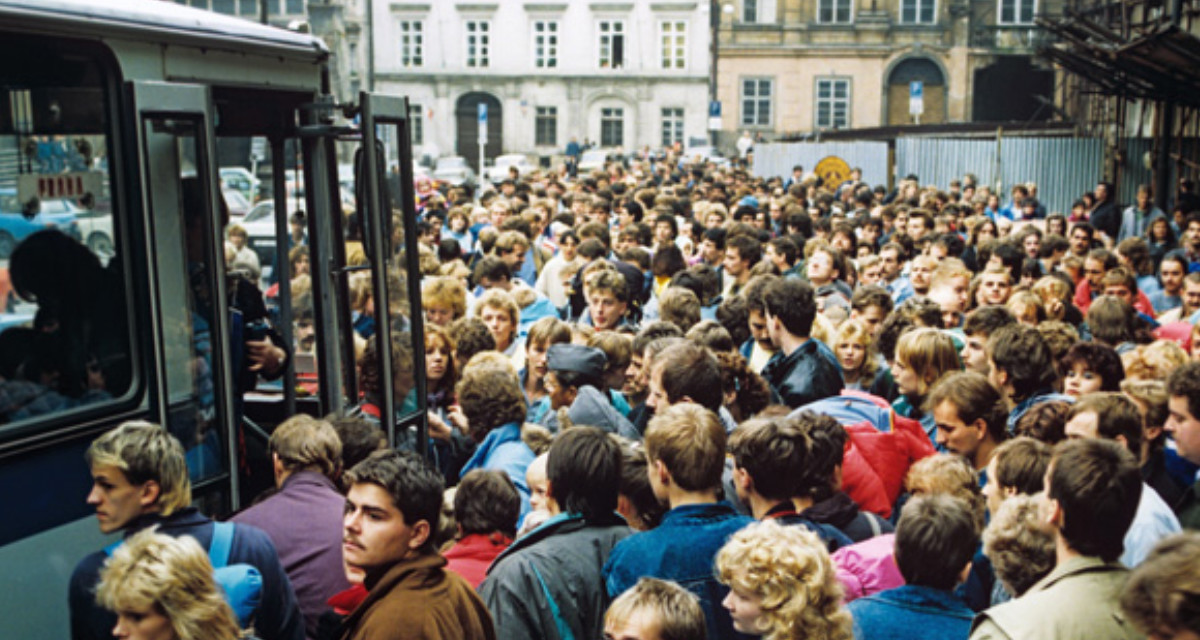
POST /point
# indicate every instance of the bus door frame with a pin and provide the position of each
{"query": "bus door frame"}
(150, 100)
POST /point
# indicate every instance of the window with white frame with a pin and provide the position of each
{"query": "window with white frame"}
(416, 124)
(545, 44)
(672, 126)
(750, 11)
(834, 11)
(833, 103)
(412, 43)
(1016, 11)
(479, 34)
(756, 102)
(612, 44)
(673, 41)
(545, 127)
(612, 127)
(918, 11)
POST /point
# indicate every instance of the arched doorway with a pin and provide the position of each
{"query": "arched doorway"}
(934, 89)
(466, 112)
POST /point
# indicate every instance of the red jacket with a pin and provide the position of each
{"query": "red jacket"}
(471, 556)
(1083, 299)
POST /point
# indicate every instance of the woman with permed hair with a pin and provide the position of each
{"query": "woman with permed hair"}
(782, 584)
(163, 587)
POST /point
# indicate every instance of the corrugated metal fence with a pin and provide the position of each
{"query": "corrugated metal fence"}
(777, 159)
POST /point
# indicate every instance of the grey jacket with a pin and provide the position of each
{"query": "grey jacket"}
(548, 583)
(593, 409)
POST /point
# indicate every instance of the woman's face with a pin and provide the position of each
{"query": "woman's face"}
(987, 232)
(437, 360)
(302, 266)
(535, 359)
(850, 355)
(1057, 226)
(1158, 231)
(458, 224)
(143, 624)
(439, 315)
(500, 324)
(907, 381)
(1081, 381)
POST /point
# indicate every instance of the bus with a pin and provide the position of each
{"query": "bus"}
(116, 117)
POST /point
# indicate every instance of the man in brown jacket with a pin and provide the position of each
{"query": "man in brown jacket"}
(391, 509)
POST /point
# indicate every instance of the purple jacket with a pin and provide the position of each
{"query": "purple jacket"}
(304, 520)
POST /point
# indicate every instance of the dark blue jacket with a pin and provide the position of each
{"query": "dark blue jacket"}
(808, 374)
(277, 618)
(911, 613)
(683, 548)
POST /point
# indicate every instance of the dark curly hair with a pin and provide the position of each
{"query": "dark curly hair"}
(490, 397)
(753, 393)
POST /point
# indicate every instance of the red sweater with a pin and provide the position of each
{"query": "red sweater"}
(471, 556)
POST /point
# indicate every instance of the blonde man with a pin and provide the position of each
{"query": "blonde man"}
(655, 610)
(607, 299)
(500, 313)
(140, 480)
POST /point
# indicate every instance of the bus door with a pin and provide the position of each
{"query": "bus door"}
(194, 382)
(387, 208)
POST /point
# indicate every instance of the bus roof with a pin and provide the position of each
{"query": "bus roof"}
(164, 20)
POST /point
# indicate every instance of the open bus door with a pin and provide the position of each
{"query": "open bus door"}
(387, 206)
(193, 393)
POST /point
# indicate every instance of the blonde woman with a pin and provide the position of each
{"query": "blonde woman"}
(162, 588)
(853, 346)
(923, 356)
(782, 585)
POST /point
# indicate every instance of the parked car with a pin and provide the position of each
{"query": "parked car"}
(454, 170)
(499, 171)
(238, 204)
(706, 154)
(593, 159)
(240, 179)
(96, 231)
(15, 226)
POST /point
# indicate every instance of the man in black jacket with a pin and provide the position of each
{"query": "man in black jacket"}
(1106, 215)
(804, 370)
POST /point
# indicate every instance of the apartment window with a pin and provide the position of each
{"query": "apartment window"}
(918, 11)
(545, 127)
(673, 38)
(833, 103)
(478, 43)
(833, 11)
(1017, 11)
(416, 124)
(612, 127)
(672, 126)
(545, 44)
(412, 43)
(756, 102)
(612, 44)
(750, 11)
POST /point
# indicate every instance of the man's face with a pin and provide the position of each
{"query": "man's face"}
(950, 304)
(500, 325)
(995, 288)
(974, 353)
(1192, 235)
(957, 436)
(1191, 297)
(535, 358)
(843, 243)
(710, 252)
(657, 398)
(758, 329)
(635, 382)
(1143, 201)
(560, 396)
(820, 269)
(514, 258)
(1172, 276)
(374, 534)
(871, 318)
(871, 275)
(992, 491)
(997, 377)
(1084, 425)
(117, 501)
(920, 274)
(775, 258)
(733, 264)
(1081, 242)
(1101, 193)
(869, 234)
(1093, 270)
(606, 310)
(714, 220)
(1184, 427)
(1032, 245)
(891, 264)
(625, 243)
(663, 233)
(640, 625)
(916, 228)
(499, 215)
(1119, 291)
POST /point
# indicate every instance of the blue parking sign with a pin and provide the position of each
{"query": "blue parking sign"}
(482, 113)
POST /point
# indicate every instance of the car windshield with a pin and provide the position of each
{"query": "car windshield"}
(260, 211)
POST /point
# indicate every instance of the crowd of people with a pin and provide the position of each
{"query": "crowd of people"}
(673, 401)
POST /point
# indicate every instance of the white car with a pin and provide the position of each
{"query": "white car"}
(705, 154)
(499, 171)
(454, 170)
(240, 179)
(593, 159)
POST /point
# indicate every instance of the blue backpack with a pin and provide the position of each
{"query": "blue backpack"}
(242, 583)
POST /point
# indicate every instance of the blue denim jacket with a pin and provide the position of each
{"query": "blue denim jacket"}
(683, 549)
(911, 613)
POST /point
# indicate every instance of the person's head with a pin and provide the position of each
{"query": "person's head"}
(1089, 367)
(979, 325)
(1172, 271)
(1120, 283)
(1183, 410)
(923, 356)
(162, 587)
(1112, 320)
(1018, 467)
(951, 475)
(852, 345)
(543, 334)
(770, 457)
(1111, 416)
(392, 508)
(1096, 264)
(788, 305)
(824, 265)
(570, 368)
(1191, 293)
(1092, 488)
(995, 285)
(680, 306)
(487, 502)
(1020, 547)
(970, 415)
(685, 448)
(490, 397)
(782, 584)
(471, 336)
(782, 252)
(304, 443)
(655, 609)
(685, 372)
(870, 305)
(501, 314)
(583, 473)
(607, 297)
(1020, 363)
(1162, 595)
(741, 253)
(137, 468)
(935, 540)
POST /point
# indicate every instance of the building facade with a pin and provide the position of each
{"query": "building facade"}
(803, 66)
(626, 74)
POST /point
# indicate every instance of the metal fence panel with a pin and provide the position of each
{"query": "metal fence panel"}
(777, 159)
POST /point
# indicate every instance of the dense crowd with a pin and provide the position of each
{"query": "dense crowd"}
(669, 400)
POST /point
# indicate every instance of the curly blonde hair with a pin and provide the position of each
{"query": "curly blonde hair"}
(789, 568)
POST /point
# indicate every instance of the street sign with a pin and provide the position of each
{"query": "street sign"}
(258, 148)
(916, 98)
(714, 115)
(483, 123)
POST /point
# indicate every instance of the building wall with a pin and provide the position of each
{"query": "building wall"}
(578, 86)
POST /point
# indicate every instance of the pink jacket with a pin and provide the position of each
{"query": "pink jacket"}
(868, 567)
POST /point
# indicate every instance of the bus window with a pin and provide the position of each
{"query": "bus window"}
(64, 330)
